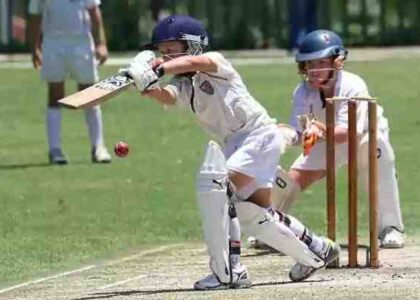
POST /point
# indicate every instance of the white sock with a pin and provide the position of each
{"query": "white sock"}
(54, 127)
(93, 117)
(313, 241)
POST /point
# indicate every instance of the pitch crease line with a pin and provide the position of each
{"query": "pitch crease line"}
(46, 278)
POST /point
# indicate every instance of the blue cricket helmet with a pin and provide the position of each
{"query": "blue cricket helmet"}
(320, 44)
(182, 28)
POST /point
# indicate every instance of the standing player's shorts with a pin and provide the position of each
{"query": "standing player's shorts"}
(72, 56)
(255, 154)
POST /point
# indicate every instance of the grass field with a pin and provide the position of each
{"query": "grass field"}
(55, 218)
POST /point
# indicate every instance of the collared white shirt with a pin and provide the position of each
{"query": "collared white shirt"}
(308, 100)
(220, 101)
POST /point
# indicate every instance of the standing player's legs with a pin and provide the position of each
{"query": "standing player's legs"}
(82, 65)
(390, 222)
(53, 72)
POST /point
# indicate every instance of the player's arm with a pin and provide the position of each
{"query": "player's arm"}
(340, 134)
(162, 95)
(180, 65)
(98, 33)
(35, 39)
(188, 64)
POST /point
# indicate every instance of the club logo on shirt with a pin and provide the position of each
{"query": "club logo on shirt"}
(207, 88)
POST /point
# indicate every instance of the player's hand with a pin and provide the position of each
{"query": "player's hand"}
(315, 128)
(101, 52)
(37, 58)
(156, 62)
(142, 74)
(308, 141)
(145, 56)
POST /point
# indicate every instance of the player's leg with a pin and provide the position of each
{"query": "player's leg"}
(288, 186)
(252, 170)
(305, 170)
(53, 72)
(55, 154)
(93, 118)
(84, 70)
(220, 224)
(264, 223)
(390, 223)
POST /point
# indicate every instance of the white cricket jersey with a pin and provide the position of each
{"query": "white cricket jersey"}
(307, 99)
(64, 18)
(220, 101)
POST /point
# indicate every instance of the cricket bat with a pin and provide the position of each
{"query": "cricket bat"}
(97, 93)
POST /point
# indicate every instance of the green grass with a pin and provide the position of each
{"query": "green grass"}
(54, 218)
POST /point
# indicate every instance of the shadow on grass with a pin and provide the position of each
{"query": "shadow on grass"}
(134, 293)
(23, 166)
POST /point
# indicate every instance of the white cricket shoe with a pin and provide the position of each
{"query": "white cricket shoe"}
(57, 157)
(100, 155)
(300, 272)
(240, 280)
(391, 238)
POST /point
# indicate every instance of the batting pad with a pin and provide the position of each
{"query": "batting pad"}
(213, 203)
(259, 222)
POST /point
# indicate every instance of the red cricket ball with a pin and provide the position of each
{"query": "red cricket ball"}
(121, 149)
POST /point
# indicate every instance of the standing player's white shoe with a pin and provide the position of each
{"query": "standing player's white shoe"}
(300, 272)
(391, 238)
(240, 280)
(101, 155)
(57, 157)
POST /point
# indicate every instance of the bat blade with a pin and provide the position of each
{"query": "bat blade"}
(97, 93)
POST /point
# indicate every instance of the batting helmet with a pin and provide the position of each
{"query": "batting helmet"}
(320, 44)
(182, 28)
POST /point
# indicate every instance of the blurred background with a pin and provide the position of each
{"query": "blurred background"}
(242, 24)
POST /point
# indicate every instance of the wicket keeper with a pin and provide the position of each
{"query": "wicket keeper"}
(320, 59)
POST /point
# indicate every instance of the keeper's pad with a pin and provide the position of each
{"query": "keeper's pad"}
(285, 191)
(213, 202)
(261, 223)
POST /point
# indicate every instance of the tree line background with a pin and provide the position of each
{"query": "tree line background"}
(249, 24)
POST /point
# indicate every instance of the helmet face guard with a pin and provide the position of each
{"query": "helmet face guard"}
(322, 78)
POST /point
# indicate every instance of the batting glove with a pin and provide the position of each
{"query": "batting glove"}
(140, 70)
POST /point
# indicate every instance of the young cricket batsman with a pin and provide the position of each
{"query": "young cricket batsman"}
(320, 60)
(235, 180)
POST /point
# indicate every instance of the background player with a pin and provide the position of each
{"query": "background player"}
(65, 38)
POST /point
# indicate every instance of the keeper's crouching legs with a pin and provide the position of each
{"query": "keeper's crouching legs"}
(219, 222)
